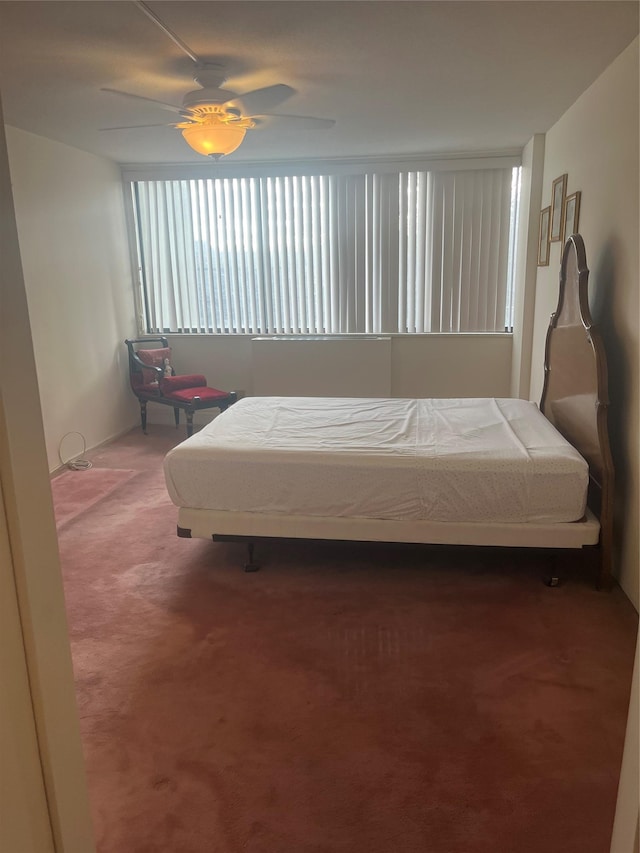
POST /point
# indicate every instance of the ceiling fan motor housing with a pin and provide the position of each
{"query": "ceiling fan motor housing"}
(210, 76)
(208, 95)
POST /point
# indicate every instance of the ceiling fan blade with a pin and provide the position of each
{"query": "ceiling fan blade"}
(165, 29)
(135, 126)
(259, 100)
(162, 104)
(298, 122)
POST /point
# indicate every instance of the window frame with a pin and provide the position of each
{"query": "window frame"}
(344, 166)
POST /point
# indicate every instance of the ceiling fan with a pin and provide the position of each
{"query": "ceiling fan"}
(215, 120)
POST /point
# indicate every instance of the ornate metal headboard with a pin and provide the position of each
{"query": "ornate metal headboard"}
(574, 396)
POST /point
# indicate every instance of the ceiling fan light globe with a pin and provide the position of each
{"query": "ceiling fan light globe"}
(213, 141)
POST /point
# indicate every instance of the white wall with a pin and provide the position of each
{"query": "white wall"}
(626, 825)
(75, 257)
(596, 143)
(420, 366)
(450, 365)
(321, 366)
(24, 815)
(32, 594)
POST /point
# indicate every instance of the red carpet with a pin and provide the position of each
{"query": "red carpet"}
(344, 699)
(73, 495)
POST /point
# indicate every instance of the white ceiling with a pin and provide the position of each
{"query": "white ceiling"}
(398, 77)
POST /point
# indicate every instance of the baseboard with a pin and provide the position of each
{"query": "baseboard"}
(55, 471)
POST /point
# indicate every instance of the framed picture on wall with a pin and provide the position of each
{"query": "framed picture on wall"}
(558, 193)
(543, 237)
(571, 214)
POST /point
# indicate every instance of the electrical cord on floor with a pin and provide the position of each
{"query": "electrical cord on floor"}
(76, 463)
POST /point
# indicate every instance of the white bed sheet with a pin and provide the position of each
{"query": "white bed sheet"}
(443, 460)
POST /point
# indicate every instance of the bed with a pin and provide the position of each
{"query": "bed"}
(491, 472)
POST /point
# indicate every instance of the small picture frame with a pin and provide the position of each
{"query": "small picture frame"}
(558, 193)
(543, 238)
(572, 214)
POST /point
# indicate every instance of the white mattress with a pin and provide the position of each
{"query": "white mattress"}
(471, 460)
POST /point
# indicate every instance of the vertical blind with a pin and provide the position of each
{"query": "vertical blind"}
(411, 251)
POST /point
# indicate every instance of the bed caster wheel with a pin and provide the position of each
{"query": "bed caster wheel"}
(554, 580)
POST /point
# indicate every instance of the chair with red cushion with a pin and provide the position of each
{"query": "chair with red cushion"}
(153, 380)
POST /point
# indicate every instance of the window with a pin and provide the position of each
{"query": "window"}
(404, 251)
